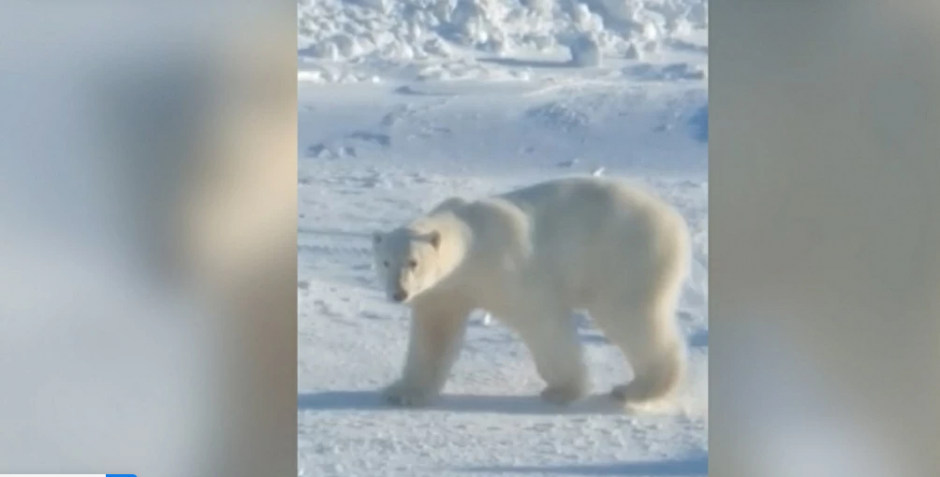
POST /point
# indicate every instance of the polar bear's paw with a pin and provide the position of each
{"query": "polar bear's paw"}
(563, 395)
(406, 394)
(637, 400)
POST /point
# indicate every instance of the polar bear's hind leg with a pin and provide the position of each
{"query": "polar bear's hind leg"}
(652, 343)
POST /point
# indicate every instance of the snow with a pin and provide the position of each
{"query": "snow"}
(353, 40)
(403, 104)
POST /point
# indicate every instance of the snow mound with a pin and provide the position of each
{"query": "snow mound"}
(586, 52)
(381, 33)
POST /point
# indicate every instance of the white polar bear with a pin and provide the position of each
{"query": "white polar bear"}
(530, 257)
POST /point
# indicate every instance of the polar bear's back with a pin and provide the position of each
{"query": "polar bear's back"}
(591, 204)
(587, 192)
(596, 232)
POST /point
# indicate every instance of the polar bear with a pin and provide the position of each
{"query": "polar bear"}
(530, 257)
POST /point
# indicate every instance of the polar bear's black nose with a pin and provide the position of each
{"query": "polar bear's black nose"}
(400, 296)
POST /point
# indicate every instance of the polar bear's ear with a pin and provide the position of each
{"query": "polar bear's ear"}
(435, 239)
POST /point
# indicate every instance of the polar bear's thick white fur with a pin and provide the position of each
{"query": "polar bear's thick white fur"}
(530, 257)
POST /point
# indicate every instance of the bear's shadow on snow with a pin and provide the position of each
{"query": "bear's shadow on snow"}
(695, 466)
(464, 403)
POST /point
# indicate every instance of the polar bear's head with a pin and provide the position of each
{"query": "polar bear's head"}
(407, 262)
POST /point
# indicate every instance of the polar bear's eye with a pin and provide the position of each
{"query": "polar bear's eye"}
(412, 264)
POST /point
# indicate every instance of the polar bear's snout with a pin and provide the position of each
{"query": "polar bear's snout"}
(400, 295)
(395, 289)
(399, 287)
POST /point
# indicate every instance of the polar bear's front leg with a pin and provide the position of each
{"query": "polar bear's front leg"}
(438, 327)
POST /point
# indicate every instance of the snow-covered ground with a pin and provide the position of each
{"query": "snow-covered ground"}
(388, 127)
